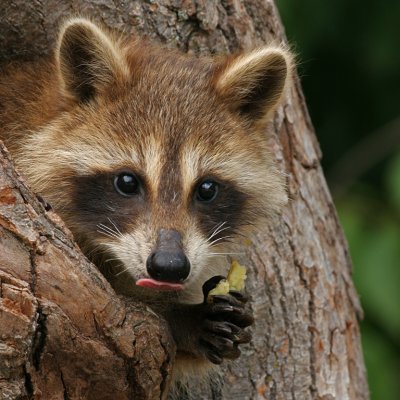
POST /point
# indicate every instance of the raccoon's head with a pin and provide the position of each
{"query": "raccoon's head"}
(160, 161)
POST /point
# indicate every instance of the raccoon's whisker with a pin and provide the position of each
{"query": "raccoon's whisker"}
(219, 239)
(106, 230)
(217, 230)
(102, 231)
(216, 255)
(111, 259)
(110, 208)
(115, 226)
(226, 254)
(105, 233)
(222, 229)
(123, 271)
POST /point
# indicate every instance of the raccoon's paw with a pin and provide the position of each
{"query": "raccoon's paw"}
(225, 318)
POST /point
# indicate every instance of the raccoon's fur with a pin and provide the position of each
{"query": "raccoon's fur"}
(158, 162)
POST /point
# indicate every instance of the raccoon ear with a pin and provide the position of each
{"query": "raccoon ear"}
(253, 83)
(89, 60)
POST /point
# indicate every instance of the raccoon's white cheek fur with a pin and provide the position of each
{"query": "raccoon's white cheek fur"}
(132, 250)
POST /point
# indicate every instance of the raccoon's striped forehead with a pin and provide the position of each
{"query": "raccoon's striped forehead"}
(165, 156)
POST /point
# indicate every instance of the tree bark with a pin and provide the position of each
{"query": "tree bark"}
(306, 341)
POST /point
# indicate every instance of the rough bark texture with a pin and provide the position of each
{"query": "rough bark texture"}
(306, 339)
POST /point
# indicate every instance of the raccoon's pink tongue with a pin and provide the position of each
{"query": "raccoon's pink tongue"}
(159, 285)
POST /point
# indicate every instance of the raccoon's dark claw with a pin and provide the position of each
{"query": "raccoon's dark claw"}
(223, 326)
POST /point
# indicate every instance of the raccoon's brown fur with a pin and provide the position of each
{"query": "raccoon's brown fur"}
(103, 106)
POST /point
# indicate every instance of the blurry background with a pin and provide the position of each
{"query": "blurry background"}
(349, 55)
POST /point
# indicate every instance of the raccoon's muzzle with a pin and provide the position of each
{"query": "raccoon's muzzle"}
(168, 262)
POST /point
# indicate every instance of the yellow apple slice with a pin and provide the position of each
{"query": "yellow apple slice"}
(236, 276)
(234, 281)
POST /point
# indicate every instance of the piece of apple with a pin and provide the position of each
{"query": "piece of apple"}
(221, 288)
(234, 281)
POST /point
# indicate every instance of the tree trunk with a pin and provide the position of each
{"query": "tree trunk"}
(306, 341)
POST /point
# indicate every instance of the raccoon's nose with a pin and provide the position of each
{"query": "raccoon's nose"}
(168, 266)
(168, 262)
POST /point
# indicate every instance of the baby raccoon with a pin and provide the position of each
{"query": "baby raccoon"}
(158, 162)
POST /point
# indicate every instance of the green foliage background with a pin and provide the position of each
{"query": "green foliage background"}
(349, 62)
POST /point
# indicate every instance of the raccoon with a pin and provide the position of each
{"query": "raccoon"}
(158, 163)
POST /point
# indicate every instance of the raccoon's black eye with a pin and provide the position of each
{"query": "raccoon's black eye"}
(126, 184)
(207, 191)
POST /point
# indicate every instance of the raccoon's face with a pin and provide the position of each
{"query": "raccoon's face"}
(159, 165)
